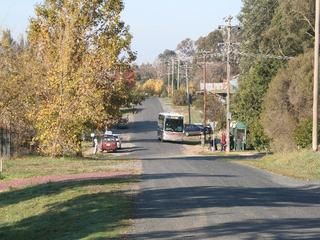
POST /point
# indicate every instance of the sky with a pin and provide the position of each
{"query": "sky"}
(156, 25)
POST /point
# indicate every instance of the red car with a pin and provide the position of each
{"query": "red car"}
(109, 144)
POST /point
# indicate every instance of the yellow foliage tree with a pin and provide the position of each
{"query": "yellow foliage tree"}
(153, 87)
(73, 74)
(15, 89)
(77, 46)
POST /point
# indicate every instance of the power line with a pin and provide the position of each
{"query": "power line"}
(266, 56)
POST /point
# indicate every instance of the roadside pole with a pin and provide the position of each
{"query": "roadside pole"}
(229, 27)
(205, 98)
(316, 79)
(188, 93)
(178, 78)
(168, 85)
(172, 78)
(205, 91)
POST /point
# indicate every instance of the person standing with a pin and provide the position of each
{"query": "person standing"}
(95, 148)
(223, 142)
(215, 143)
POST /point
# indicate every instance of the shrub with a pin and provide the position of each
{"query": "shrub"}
(288, 101)
(180, 98)
(216, 110)
(2, 176)
(257, 139)
(303, 134)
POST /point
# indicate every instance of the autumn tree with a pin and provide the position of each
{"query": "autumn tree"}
(15, 90)
(77, 47)
(153, 87)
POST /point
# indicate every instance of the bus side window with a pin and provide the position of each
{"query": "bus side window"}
(161, 122)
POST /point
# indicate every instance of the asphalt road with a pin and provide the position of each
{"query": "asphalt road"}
(197, 198)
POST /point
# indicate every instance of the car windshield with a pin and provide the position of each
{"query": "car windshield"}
(174, 125)
(192, 128)
(108, 139)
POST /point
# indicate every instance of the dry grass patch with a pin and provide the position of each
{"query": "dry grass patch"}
(32, 166)
(303, 165)
(88, 209)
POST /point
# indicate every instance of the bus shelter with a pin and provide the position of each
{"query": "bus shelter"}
(238, 130)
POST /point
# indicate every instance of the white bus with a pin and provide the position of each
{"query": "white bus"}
(170, 127)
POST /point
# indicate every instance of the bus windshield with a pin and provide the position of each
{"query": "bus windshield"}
(174, 125)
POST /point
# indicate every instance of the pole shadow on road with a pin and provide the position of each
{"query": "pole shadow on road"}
(205, 158)
(131, 149)
(183, 175)
(141, 127)
(281, 202)
(280, 229)
(146, 140)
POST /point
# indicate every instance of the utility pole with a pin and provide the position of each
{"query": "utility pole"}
(316, 79)
(168, 85)
(172, 77)
(188, 93)
(178, 79)
(205, 91)
(229, 28)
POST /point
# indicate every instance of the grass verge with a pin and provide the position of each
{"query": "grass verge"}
(31, 166)
(232, 153)
(90, 209)
(303, 165)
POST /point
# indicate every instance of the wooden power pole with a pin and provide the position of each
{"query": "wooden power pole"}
(168, 84)
(316, 79)
(229, 28)
(205, 91)
(172, 78)
(178, 78)
(188, 94)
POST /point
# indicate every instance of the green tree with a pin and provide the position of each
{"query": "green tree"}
(291, 31)
(162, 62)
(166, 55)
(289, 100)
(281, 28)
(209, 42)
(215, 112)
(186, 48)
(247, 104)
(145, 72)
